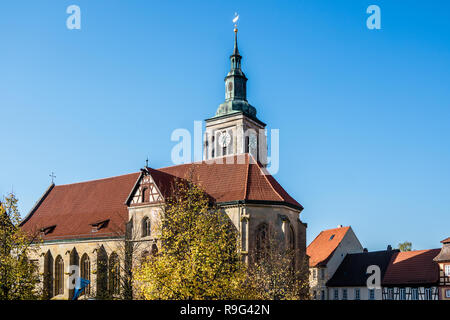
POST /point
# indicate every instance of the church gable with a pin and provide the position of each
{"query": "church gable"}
(146, 191)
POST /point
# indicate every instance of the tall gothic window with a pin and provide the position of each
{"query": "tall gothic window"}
(114, 274)
(86, 272)
(262, 241)
(146, 227)
(48, 275)
(102, 273)
(59, 275)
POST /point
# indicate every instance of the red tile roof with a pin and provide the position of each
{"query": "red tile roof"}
(446, 240)
(74, 207)
(246, 181)
(323, 246)
(412, 268)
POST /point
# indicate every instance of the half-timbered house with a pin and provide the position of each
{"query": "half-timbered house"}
(443, 260)
(412, 275)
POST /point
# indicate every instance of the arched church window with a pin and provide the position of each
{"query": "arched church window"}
(146, 227)
(262, 240)
(48, 275)
(114, 274)
(85, 272)
(59, 275)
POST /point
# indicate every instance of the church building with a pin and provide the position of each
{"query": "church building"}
(85, 224)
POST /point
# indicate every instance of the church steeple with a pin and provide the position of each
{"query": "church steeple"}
(235, 129)
(236, 57)
(235, 81)
(236, 87)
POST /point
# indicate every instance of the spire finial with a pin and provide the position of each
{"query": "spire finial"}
(235, 20)
(146, 163)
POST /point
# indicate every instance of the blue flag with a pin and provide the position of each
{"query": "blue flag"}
(80, 285)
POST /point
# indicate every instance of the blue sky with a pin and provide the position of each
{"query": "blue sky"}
(364, 115)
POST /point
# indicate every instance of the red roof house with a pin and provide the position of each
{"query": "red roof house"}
(412, 268)
(324, 245)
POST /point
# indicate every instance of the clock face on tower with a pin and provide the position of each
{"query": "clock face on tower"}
(224, 139)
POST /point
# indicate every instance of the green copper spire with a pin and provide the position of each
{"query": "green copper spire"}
(235, 87)
(236, 50)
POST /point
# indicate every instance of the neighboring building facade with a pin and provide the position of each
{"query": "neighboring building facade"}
(86, 224)
(326, 252)
(349, 282)
(443, 260)
(412, 275)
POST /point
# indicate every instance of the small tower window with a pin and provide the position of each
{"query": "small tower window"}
(146, 227)
(144, 191)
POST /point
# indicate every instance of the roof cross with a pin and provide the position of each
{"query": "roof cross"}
(53, 177)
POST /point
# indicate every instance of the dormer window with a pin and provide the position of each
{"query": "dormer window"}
(46, 230)
(332, 236)
(99, 225)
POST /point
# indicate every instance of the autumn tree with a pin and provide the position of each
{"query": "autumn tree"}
(277, 272)
(18, 276)
(198, 258)
(405, 246)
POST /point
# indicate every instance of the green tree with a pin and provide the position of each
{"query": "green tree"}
(18, 276)
(198, 258)
(405, 246)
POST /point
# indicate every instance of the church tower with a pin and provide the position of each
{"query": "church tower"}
(235, 129)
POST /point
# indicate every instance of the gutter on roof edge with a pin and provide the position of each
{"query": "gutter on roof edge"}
(266, 202)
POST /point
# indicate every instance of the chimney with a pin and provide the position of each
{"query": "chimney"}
(389, 248)
(365, 250)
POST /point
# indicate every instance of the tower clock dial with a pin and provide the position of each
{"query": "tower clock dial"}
(224, 139)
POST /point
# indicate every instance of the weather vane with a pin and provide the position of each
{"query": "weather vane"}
(53, 177)
(235, 20)
(146, 163)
